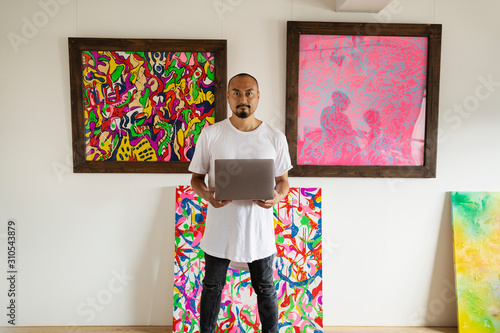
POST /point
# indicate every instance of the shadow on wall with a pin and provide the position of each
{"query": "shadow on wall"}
(442, 303)
(153, 304)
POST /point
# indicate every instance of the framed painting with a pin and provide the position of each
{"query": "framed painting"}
(139, 105)
(362, 99)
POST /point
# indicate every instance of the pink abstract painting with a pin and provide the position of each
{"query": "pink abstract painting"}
(298, 268)
(361, 100)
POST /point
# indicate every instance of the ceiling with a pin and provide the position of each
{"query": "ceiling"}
(366, 6)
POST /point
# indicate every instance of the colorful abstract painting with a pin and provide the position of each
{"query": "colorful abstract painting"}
(361, 100)
(298, 271)
(146, 106)
(476, 238)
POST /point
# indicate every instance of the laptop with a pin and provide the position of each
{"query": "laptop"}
(244, 179)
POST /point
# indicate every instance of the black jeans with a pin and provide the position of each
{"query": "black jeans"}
(261, 274)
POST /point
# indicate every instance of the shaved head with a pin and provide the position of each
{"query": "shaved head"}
(240, 75)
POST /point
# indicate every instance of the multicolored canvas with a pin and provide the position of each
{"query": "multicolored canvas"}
(361, 100)
(476, 238)
(298, 273)
(146, 106)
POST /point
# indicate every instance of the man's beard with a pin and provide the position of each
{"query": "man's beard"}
(242, 114)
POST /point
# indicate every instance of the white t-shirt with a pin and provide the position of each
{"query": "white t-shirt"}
(240, 231)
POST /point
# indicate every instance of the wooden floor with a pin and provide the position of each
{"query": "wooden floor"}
(166, 329)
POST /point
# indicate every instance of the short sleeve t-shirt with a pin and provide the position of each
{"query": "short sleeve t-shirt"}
(240, 231)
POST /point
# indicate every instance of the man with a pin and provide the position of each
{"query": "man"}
(239, 231)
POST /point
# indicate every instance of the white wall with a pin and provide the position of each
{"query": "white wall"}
(388, 256)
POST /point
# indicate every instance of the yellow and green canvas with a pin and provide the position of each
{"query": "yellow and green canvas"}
(476, 238)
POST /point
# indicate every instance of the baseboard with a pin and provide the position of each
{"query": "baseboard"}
(168, 329)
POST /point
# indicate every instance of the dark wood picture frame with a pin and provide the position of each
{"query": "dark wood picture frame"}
(433, 33)
(79, 45)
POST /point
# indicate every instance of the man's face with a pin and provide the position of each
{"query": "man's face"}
(243, 96)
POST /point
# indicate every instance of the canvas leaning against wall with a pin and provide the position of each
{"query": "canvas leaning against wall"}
(476, 239)
(298, 267)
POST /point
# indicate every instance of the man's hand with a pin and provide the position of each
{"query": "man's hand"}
(200, 188)
(216, 203)
(268, 203)
(280, 192)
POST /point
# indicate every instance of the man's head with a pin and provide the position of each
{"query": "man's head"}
(243, 95)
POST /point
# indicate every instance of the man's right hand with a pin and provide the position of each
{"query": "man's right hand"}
(200, 188)
(216, 203)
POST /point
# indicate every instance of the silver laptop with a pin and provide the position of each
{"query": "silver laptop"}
(244, 179)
